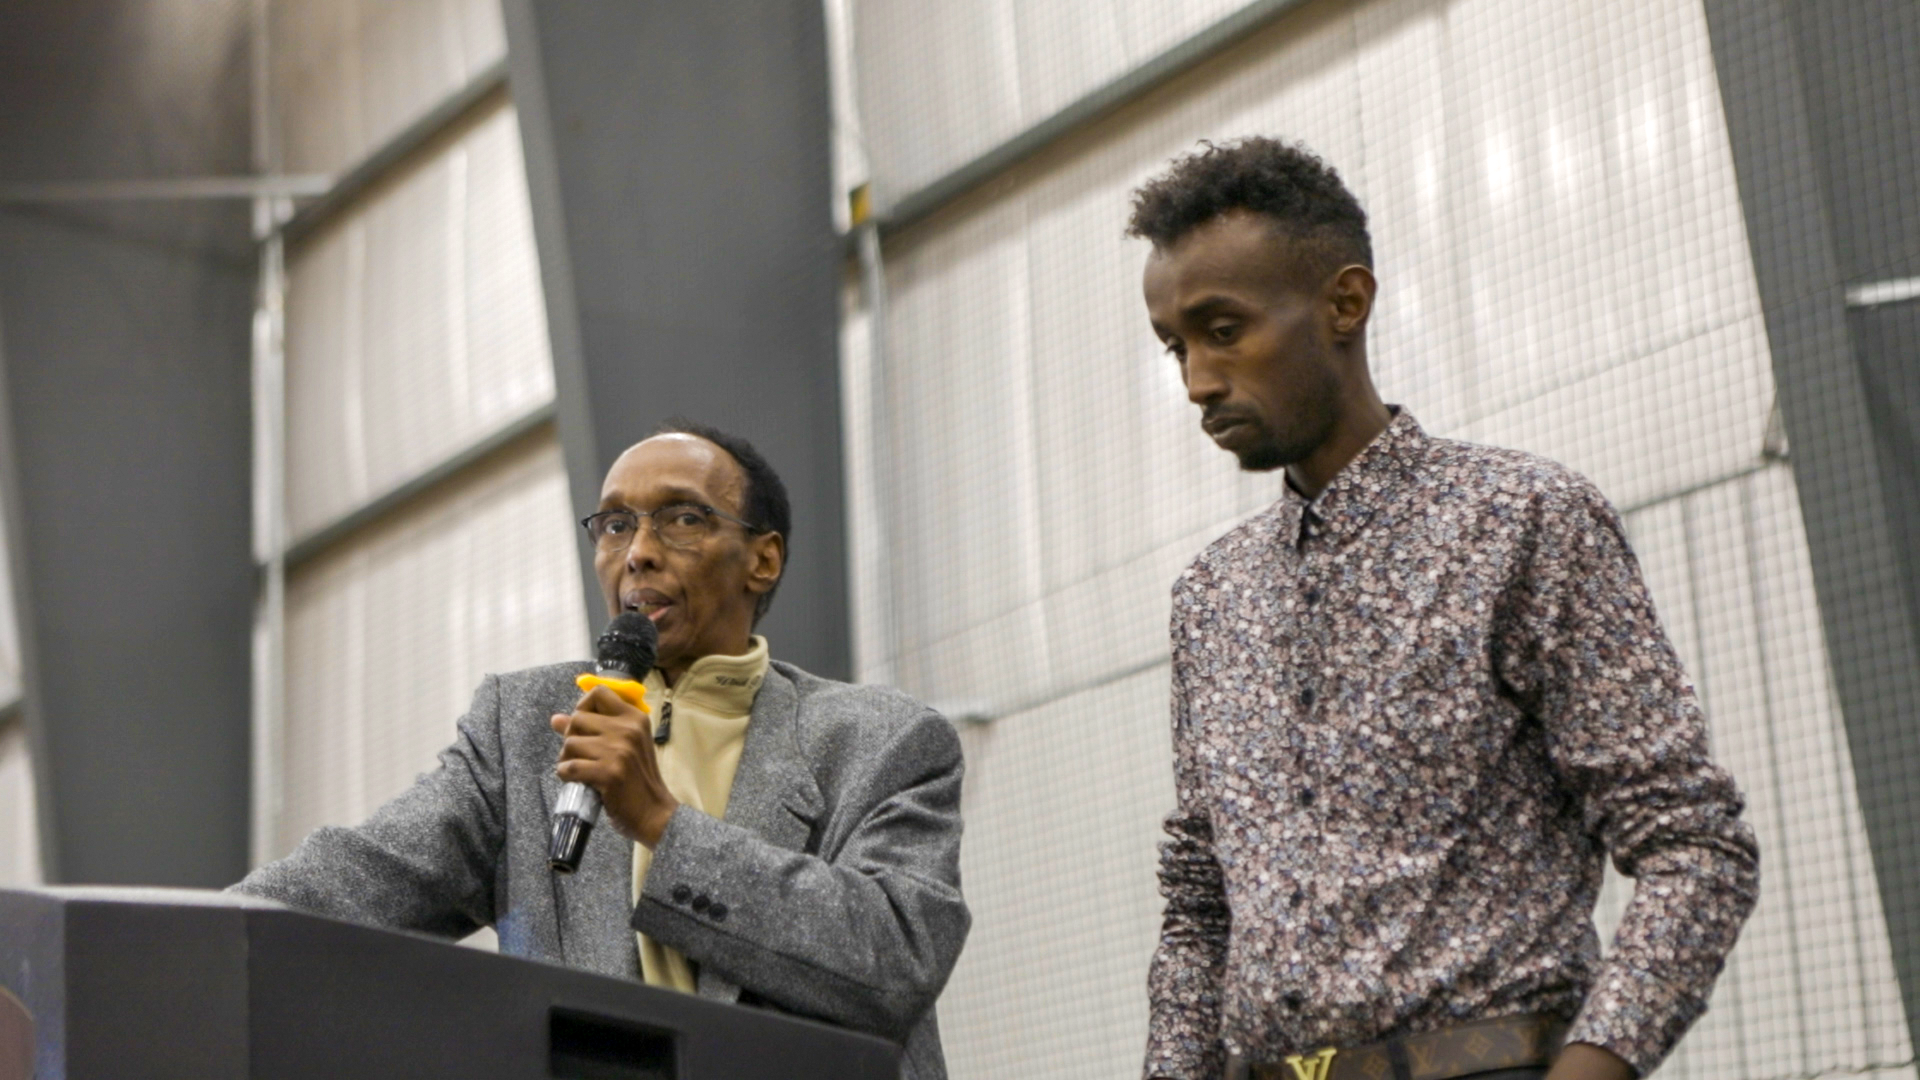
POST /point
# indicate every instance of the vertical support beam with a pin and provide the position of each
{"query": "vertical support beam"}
(678, 161)
(126, 378)
(268, 710)
(125, 389)
(1858, 571)
(269, 544)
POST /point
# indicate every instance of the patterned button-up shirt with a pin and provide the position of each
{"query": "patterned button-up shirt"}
(1409, 720)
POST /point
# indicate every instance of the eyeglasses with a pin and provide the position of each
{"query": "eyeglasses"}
(681, 525)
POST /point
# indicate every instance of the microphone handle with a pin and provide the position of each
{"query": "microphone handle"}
(574, 816)
(576, 812)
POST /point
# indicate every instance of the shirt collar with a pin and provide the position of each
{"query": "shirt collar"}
(1357, 489)
(721, 685)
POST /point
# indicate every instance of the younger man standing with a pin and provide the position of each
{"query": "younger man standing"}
(1415, 703)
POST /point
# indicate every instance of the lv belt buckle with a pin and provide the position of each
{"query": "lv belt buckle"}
(1314, 1066)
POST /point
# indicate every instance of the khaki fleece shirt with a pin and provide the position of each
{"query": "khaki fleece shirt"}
(707, 710)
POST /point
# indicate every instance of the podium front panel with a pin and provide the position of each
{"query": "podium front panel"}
(164, 983)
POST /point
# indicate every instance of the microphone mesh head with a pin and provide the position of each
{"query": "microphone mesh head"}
(629, 644)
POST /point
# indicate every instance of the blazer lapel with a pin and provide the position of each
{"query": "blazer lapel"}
(774, 795)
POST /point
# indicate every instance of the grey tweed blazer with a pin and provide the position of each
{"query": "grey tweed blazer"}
(832, 886)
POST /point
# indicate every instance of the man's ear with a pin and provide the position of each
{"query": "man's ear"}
(1351, 295)
(768, 555)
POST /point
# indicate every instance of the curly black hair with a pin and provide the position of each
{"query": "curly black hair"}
(764, 503)
(1300, 193)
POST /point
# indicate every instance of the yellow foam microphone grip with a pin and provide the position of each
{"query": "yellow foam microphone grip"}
(631, 692)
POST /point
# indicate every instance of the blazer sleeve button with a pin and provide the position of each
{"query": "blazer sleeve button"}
(682, 893)
(718, 912)
(700, 902)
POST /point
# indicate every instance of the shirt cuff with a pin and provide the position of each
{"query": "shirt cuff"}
(1184, 1060)
(1637, 1015)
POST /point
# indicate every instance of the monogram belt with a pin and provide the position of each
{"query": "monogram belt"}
(1510, 1042)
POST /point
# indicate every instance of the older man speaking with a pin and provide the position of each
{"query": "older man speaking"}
(782, 840)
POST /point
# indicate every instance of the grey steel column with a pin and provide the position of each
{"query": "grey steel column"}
(126, 393)
(677, 157)
(127, 383)
(1826, 211)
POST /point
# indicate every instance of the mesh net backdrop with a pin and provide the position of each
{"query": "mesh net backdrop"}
(1588, 248)
(1565, 268)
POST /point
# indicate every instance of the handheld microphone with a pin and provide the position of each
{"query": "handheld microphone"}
(625, 653)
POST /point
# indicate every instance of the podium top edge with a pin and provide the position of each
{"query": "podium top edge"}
(151, 896)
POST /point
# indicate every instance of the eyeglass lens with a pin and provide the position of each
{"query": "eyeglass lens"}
(681, 525)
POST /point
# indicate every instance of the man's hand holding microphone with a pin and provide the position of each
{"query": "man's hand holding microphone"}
(608, 756)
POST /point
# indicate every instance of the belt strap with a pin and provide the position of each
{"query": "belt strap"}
(1509, 1042)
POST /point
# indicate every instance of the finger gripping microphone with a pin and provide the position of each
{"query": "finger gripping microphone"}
(625, 651)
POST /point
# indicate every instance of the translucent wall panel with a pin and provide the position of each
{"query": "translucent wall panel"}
(388, 635)
(348, 74)
(1564, 269)
(415, 325)
(19, 838)
(1055, 968)
(941, 83)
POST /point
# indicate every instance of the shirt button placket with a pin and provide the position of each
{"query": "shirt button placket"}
(1309, 647)
(1316, 633)
(1304, 797)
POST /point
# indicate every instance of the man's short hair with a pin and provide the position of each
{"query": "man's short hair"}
(1301, 194)
(764, 502)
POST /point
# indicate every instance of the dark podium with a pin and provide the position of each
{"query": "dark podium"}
(166, 983)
